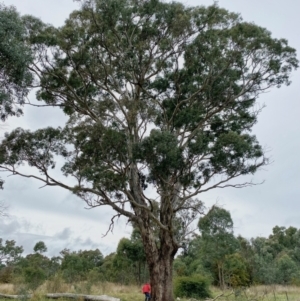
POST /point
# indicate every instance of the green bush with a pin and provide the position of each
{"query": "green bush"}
(34, 277)
(195, 286)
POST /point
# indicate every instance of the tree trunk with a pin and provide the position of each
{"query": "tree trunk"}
(160, 248)
(219, 275)
(162, 280)
(139, 272)
(160, 258)
(223, 277)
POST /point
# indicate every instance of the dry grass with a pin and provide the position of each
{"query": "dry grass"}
(112, 288)
(133, 292)
(124, 292)
(260, 293)
(7, 289)
(101, 288)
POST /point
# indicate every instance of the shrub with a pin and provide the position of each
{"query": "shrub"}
(34, 277)
(6, 274)
(195, 286)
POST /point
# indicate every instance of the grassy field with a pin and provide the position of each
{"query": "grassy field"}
(132, 293)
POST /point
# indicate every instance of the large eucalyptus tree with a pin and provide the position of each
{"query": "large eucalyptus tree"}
(161, 100)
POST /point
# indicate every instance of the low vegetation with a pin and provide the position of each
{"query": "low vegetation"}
(133, 292)
(194, 286)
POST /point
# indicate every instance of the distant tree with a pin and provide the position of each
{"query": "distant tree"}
(10, 253)
(247, 253)
(235, 271)
(75, 266)
(54, 266)
(108, 270)
(283, 239)
(180, 267)
(277, 256)
(130, 252)
(122, 263)
(216, 229)
(34, 276)
(161, 98)
(193, 260)
(40, 247)
(264, 271)
(35, 268)
(286, 270)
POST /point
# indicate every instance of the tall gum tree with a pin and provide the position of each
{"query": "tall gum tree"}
(161, 99)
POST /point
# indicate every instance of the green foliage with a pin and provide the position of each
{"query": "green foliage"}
(216, 228)
(34, 269)
(217, 222)
(122, 67)
(276, 259)
(40, 247)
(15, 56)
(162, 154)
(286, 270)
(34, 276)
(75, 266)
(246, 251)
(180, 268)
(130, 259)
(195, 286)
(107, 270)
(235, 269)
(264, 269)
(192, 260)
(9, 252)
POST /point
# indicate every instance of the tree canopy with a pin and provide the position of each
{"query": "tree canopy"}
(218, 241)
(161, 101)
(9, 252)
(40, 247)
(15, 56)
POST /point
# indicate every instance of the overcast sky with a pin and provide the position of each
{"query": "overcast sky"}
(61, 220)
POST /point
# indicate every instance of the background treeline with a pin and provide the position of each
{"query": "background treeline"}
(126, 266)
(215, 253)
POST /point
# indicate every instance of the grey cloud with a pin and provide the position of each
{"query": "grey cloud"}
(12, 225)
(9, 228)
(94, 245)
(64, 234)
(25, 193)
